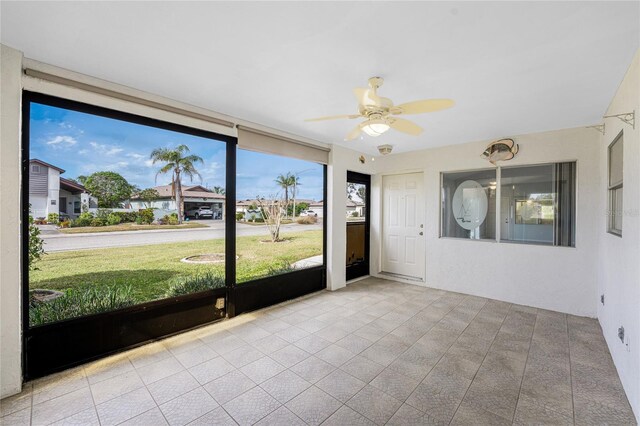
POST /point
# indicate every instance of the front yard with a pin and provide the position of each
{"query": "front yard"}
(150, 269)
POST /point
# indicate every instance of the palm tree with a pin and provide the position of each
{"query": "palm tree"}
(285, 182)
(218, 190)
(178, 164)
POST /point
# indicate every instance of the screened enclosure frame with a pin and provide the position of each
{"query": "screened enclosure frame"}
(56, 346)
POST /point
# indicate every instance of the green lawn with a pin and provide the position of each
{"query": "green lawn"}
(128, 227)
(150, 269)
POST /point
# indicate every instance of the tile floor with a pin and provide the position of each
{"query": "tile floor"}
(376, 352)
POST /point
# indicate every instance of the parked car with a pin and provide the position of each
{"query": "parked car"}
(309, 213)
(198, 212)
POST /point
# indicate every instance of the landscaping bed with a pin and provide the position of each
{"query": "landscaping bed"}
(129, 227)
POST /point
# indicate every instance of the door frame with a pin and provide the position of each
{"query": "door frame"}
(363, 269)
(399, 277)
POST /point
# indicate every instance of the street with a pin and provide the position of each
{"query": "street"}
(54, 242)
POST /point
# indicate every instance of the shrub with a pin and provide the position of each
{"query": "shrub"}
(97, 222)
(195, 284)
(307, 220)
(83, 220)
(103, 214)
(34, 245)
(126, 217)
(169, 219)
(145, 216)
(113, 219)
(53, 218)
(80, 302)
(355, 214)
(239, 215)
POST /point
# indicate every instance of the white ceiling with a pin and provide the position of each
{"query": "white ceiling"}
(512, 67)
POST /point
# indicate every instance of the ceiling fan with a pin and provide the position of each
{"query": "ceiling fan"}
(379, 113)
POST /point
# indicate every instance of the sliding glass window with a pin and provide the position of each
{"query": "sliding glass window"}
(279, 214)
(537, 204)
(121, 213)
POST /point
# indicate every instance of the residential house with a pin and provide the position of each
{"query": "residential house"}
(51, 193)
(192, 198)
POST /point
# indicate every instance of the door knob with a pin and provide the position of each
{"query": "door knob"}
(421, 233)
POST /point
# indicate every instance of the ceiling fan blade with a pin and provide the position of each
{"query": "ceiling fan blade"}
(354, 133)
(367, 97)
(405, 126)
(423, 106)
(334, 117)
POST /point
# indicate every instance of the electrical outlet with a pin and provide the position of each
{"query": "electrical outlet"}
(602, 299)
(621, 334)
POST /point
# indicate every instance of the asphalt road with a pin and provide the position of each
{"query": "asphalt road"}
(62, 242)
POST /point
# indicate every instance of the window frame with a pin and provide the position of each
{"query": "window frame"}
(498, 170)
(612, 189)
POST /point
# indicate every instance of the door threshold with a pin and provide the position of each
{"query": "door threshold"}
(357, 279)
(404, 277)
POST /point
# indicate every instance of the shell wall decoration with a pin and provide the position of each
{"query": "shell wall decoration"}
(500, 150)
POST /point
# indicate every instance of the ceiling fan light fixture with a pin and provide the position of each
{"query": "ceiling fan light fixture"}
(375, 127)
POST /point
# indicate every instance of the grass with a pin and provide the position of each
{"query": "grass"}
(150, 270)
(128, 227)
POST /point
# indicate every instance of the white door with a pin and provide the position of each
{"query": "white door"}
(403, 249)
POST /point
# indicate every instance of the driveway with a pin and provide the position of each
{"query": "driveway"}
(64, 242)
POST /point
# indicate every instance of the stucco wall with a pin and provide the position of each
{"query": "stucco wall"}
(619, 257)
(556, 278)
(10, 259)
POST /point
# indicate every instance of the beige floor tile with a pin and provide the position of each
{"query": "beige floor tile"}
(125, 407)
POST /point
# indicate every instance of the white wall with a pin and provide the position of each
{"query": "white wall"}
(340, 160)
(10, 258)
(619, 257)
(557, 278)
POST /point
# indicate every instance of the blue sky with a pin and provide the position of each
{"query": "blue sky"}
(83, 144)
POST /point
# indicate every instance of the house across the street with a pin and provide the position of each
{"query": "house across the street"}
(193, 197)
(51, 193)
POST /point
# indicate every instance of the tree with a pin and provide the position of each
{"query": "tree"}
(285, 182)
(81, 179)
(110, 188)
(148, 196)
(273, 210)
(218, 190)
(178, 164)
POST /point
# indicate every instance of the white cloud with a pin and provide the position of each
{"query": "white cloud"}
(105, 149)
(62, 141)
